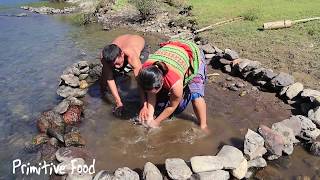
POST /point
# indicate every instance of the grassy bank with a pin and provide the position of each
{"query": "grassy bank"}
(294, 50)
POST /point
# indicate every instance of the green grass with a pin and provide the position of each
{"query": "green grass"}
(294, 50)
(120, 4)
(50, 4)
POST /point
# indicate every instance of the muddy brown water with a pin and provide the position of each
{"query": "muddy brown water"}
(118, 142)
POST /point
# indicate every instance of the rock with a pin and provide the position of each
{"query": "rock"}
(242, 64)
(103, 175)
(253, 145)
(240, 171)
(66, 91)
(79, 176)
(85, 70)
(227, 68)
(249, 174)
(72, 115)
(283, 90)
(41, 138)
(51, 120)
(70, 80)
(314, 115)
(257, 163)
(83, 84)
(293, 90)
(151, 172)
(74, 101)
(240, 84)
(209, 56)
(73, 139)
(126, 173)
(177, 169)
(292, 123)
(315, 148)
(69, 153)
(302, 178)
(288, 137)
(309, 130)
(62, 107)
(95, 72)
(261, 83)
(83, 76)
(232, 87)
(230, 54)
(232, 157)
(56, 134)
(225, 62)
(251, 66)
(47, 152)
(216, 175)
(72, 70)
(282, 80)
(68, 165)
(82, 64)
(310, 93)
(54, 142)
(208, 49)
(267, 74)
(206, 163)
(273, 141)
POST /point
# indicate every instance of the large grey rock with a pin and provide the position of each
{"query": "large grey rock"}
(126, 173)
(66, 91)
(314, 115)
(95, 72)
(315, 148)
(85, 70)
(82, 64)
(252, 66)
(71, 70)
(254, 145)
(104, 175)
(288, 137)
(151, 172)
(230, 54)
(71, 80)
(242, 64)
(208, 49)
(232, 157)
(68, 165)
(83, 76)
(75, 101)
(177, 169)
(257, 163)
(293, 90)
(214, 175)
(206, 163)
(62, 107)
(282, 80)
(267, 74)
(240, 171)
(309, 130)
(273, 141)
(310, 93)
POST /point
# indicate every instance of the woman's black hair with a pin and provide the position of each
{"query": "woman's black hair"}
(110, 53)
(151, 77)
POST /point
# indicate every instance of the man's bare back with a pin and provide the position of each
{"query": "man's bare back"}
(130, 44)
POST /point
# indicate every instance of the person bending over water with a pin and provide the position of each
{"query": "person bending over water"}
(172, 77)
(123, 55)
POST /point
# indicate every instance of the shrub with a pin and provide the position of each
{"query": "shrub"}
(251, 15)
(145, 7)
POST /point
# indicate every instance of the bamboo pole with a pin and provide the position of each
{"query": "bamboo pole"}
(286, 23)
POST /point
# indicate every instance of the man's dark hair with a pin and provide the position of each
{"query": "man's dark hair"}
(110, 53)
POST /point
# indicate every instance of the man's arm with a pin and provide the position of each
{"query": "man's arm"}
(134, 61)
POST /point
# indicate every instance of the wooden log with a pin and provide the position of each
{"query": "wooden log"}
(277, 24)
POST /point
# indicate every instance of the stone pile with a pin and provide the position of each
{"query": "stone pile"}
(49, 10)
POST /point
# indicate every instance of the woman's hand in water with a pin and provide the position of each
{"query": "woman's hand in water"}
(118, 110)
(143, 115)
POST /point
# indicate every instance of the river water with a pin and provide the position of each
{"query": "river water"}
(34, 50)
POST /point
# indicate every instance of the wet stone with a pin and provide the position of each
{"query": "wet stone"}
(83, 76)
(82, 64)
(230, 54)
(73, 139)
(73, 115)
(206, 163)
(62, 107)
(70, 80)
(217, 175)
(302, 178)
(126, 173)
(232, 157)
(103, 175)
(288, 137)
(309, 130)
(85, 70)
(40, 139)
(71, 70)
(315, 148)
(54, 142)
(177, 169)
(48, 152)
(56, 134)
(69, 164)
(66, 91)
(75, 101)
(50, 119)
(151, 172)
(292, 123)
(83, 84)
(79, 176)
(273, 141)
(268, 172)
(68, 153)
(254, 145)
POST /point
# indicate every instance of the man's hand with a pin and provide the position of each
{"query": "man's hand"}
(119, 110)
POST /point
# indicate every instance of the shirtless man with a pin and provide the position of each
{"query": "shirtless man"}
(124, 54)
